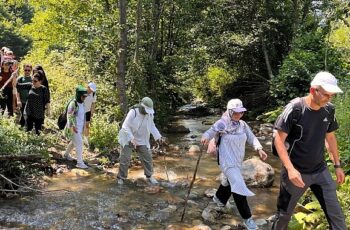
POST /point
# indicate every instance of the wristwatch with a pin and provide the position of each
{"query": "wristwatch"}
(337, 166)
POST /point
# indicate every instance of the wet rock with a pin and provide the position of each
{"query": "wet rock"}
(257, 173)
(266, 129)
(80, 172)
(153, 189)
(210, 192)
(194, 150)
(201, 227)
(174, 148)
(211, 213)
(198, 109)
(163, 214)
(141, 182)
(197, 222)
(260, 222)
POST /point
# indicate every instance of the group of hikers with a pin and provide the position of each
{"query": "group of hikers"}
(306, 125)
(300, 143)
(29, 96)
(299, 139)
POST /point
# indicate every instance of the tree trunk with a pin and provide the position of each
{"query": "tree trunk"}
(170, 32)
(138, 30)
(267, 60)
(156, 18)
(122, 59)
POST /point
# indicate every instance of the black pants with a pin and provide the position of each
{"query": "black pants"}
(37, 122)
(6, 101)
(22, 121)
(224, 193)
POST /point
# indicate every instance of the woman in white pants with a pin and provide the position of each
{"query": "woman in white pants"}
(75, 126)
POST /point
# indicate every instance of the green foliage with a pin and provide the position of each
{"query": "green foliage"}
(104, 133)
(213, 85)
(270, 116)
(342, 103)
(14, 141)
(303, 62)
(12, 17)
(315, 217)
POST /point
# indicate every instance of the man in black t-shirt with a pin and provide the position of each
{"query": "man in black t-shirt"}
(300, 146)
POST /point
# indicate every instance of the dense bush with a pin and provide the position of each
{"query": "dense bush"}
(104, 133)
(14, 141)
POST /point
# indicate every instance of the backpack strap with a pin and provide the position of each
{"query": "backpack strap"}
(297, 110)
(331, 111)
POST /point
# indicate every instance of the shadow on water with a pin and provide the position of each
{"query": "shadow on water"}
(95, 201)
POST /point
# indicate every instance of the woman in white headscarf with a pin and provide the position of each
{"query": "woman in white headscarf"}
(234, 133)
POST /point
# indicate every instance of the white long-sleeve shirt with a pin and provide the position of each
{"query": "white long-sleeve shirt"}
(138, 127)
(234, 136)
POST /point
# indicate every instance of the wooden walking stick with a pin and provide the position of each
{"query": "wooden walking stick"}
(191, 184)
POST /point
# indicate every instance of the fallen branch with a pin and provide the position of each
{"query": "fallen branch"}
(26, 187)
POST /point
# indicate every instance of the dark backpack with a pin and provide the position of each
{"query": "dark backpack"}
(296, 116)
(62, 118)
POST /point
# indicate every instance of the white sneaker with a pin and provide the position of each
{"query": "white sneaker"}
(152, 180)
(81, 165)
(67, 157)
(218, 202)
(250, 224)
(120, 181)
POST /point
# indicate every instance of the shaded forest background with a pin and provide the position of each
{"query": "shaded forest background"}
(174, 51)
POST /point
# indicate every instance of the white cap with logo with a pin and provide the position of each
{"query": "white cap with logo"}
(236, 105)
(327, 81)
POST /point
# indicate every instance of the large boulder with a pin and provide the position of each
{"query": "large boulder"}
(257, 173)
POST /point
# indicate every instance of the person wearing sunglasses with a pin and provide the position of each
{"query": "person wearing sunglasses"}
(234, 133)
(23, 85)
(38, 98)
(303, 162)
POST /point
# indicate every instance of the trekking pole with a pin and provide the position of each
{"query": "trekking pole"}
(165, 164)
(191, 184)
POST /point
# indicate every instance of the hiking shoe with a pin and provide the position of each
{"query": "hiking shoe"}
(152, 180)
(250, 224)
(218, 202)
(67, 157)
(82, 166)
(120, 181)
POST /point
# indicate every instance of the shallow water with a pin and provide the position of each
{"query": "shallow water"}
(95, 201)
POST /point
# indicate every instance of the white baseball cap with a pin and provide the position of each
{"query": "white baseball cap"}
(327, 81)
(92, 86)
(236, 105)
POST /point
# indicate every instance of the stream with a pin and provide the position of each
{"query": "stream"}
(91, 199)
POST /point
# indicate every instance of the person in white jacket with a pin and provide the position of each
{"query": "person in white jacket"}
(135, 134)
(234, 134)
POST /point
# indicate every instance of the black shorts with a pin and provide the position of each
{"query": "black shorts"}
(88, 116)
